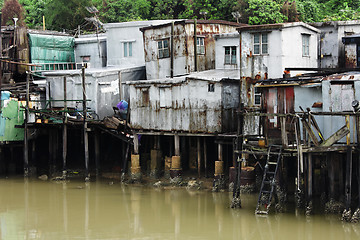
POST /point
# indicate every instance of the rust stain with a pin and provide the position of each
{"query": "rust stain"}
(266, 75)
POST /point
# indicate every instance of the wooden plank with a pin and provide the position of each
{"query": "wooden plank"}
(310, 132)
(321, 149)
(284, 136)
(342, 132)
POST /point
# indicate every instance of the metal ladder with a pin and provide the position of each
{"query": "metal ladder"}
(269, 180)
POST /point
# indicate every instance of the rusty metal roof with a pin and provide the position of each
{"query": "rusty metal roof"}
(191, 21)
(214, 75)
(309, 80)
(277, 26)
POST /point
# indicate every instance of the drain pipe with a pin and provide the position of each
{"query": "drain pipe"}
(172, 51)
(195, 45)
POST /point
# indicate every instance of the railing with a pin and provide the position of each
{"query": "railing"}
(55, 66)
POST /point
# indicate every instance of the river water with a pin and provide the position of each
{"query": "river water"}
(35, 209)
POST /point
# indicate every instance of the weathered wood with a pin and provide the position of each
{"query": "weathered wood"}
(97, 152)
(120, 86)
(85, 130)
(316, 126)
(348, 178)
(310, 132)
(26, 140)
(310, 172)
(342, 132)
(284, 136)
(347, 120)
(199, 156)
(65, 131)
(321, 149)
(205, 157)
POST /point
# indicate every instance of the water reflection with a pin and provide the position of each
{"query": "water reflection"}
(32, 209)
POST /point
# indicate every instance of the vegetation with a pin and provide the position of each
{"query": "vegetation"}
(68, 14)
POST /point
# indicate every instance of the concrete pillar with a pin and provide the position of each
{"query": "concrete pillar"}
(155, 165)
(219, 181)
(156, 159)
(135, 167)
(175, 169)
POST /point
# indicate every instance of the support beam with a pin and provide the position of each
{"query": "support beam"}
(65, 131)
(97, 152)
(205, 158)
(199, 157)
(85, 128)
(26, 130)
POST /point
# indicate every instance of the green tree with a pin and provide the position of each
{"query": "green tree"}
(200, 9)
(264, 12)
(66, 14)
(166, 9)
(34, 12)
(309, 11)
(124, 10)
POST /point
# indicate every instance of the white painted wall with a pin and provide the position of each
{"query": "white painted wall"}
(222, 41)
(118, 33)
(93, 47)
(284, 50)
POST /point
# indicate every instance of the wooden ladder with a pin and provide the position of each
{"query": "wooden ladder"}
(268, 184)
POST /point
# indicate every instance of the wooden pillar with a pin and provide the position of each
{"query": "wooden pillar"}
(51, 153)
(309, 186)
(97, 151)
(199, 156)
(205, 158)
(331, 170)
(65, 132)
(135, 160)
(26, 131)
(348, 178)
(85, 128)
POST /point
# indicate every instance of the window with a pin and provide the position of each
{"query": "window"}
(260, 43)
(145, 98)
(127, 49)
(305, 45)
(163, 48)
(85, 58)
(230, 55)
(211, 87)
(200, 47)
(257, 96)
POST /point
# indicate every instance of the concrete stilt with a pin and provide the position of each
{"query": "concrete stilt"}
(135, 161)
(155, 159)
(135, 167)
(219, 181)
(176, 170)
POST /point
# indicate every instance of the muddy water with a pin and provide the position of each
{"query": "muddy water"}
(36, 209)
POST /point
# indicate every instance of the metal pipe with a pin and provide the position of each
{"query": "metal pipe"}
(195, 45)
(172, 51)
